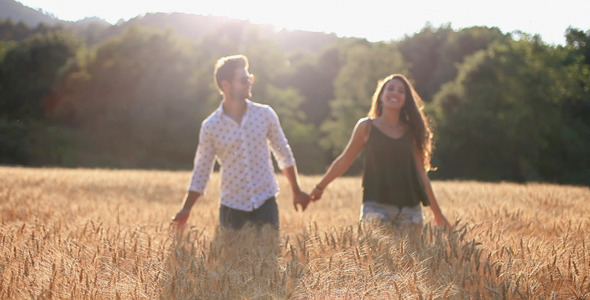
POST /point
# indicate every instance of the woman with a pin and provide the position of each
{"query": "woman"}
(397, 143)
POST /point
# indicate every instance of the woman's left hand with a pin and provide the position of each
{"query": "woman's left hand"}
(316, 194)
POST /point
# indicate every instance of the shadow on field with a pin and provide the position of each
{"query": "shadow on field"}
(231, 265)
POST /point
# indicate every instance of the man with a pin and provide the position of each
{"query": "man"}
(241, 134)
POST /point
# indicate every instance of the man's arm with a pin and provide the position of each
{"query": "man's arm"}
(299, 197)
(179, 220)
(285, 160)
(203, 166)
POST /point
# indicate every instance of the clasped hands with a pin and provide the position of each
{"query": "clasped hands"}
(300, 199)
(303, 199)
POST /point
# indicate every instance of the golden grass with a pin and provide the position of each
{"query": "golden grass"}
(103, 234)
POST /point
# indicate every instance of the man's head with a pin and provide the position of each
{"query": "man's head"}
(225, 68)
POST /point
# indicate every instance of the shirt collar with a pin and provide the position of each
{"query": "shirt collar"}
(219, 112)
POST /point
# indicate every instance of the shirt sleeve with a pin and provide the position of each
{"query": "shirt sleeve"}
(204, 160)
(278, 142)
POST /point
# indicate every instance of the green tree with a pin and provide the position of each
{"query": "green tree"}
(313, 76)
(310, 75)
(363, 65)
(132, 98)
(9, 31)
(301, 134)
(140, 97)
(454, 50)
(506, 116)
(422, 54)
(14, 32)
(4, 47)
(579, 42)
(266, 58)
(29, 72)
(433, 54)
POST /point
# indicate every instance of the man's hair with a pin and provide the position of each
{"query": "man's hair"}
(226, 66)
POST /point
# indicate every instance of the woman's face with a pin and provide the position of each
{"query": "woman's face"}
(394, 94)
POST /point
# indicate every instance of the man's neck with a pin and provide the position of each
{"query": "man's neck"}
(235, 109)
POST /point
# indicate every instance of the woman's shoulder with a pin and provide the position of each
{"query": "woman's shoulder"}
(363, 126)
(364, 122)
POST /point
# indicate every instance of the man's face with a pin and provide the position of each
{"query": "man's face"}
(241, 84)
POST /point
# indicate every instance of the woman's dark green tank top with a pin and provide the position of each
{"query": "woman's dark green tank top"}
(390, 174)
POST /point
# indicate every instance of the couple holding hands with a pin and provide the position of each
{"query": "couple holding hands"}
(241, 135)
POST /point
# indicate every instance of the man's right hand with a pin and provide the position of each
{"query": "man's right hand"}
(179, 220)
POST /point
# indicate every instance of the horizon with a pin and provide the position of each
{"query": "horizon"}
(352, 19)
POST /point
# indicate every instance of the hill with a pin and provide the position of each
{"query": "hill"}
(189, 25)
(196, 27)
(10, 9)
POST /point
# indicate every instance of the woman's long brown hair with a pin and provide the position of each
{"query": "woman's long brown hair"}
(411, 113)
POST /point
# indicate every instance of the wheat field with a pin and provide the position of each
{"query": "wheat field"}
(103, 234)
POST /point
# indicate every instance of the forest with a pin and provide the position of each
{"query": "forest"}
(503, 106)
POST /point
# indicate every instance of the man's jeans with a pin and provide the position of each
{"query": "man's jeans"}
(235, 219)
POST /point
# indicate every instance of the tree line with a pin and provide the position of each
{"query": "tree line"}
(503, 106)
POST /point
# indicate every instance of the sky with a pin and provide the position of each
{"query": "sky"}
(375, 20)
